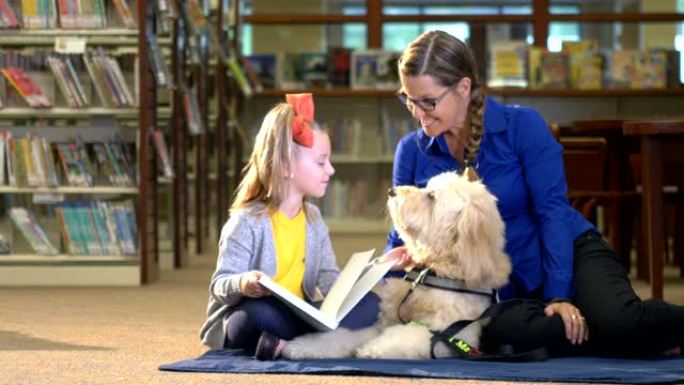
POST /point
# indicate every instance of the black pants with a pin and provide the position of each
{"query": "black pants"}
(620, 323)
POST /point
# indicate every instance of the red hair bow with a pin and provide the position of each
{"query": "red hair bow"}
(304, 112)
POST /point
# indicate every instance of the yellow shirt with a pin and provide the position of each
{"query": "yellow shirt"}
(289, 236)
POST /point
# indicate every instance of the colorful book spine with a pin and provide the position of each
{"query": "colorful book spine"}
(8, 19)
(29, 227)
(125, 13)
(163, 153)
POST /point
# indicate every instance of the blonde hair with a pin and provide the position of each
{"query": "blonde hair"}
(448, 60)
(266, 173)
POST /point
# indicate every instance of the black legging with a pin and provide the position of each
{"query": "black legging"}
(620, 323)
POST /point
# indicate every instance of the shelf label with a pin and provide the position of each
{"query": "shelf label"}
(70, 44)
(48, 198)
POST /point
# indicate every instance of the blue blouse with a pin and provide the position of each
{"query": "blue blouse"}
(521, 163)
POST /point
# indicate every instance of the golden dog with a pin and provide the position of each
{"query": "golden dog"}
(451, 227)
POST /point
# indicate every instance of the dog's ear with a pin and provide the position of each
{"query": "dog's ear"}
(480, 241)
(470, 174)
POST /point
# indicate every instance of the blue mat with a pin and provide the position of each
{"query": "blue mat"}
(575, 369)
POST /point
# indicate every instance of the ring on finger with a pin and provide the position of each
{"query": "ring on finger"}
(574, 317)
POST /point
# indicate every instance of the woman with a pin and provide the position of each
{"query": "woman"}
(572, 283)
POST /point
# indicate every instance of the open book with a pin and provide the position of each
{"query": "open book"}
(356, 279)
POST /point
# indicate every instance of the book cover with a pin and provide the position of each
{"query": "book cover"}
(26, 87)
(289, 74)
(27, 224)
(252, 75)
(70, 235)
(621, 68)
(363, 68)
(314, 68)
(650, 69)
(339, 66)
(508, 64)
(161, 71)
(265, 68)
(163, 153)
(387, 70)
(124, 229)
(51, 170)
(356, 279)
(589, 75)
(8, 18)
(192, 114)
(534, 67)
(578, 54)
(125, 14)
(237, 73)
(555, 70)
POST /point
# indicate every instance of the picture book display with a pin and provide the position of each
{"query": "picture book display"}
(356, 279)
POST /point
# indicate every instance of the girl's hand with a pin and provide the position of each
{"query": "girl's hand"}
(400, 254)
(576, 329)
(250, 286)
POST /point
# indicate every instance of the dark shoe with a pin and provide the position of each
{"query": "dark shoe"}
(266, 347)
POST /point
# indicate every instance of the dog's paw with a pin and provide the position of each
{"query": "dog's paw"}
(303, 347)
(340, 343)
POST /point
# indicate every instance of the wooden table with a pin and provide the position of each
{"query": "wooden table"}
(661, 140)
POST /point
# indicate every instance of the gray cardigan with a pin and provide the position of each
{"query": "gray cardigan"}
(246, 244)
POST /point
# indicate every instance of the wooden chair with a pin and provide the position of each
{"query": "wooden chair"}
(585, 164)
(620, 199)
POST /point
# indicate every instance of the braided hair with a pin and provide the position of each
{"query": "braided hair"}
(448, 60)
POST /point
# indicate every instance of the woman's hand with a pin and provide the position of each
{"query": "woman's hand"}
(576, 329)
(250, 286)
(400, 254)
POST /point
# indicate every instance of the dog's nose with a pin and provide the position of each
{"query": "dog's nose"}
(391, 192)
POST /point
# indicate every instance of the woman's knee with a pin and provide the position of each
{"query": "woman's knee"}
(525, 325)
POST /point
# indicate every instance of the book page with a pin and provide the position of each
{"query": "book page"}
(307, 312)
(376, 269)
(345, 281)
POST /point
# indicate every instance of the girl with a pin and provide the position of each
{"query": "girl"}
(273, 230)
(572, 283)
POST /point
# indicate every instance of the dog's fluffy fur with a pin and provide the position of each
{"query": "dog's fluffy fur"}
(451, 226)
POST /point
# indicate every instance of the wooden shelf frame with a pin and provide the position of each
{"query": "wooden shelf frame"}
(179, 145)
(95, 190)
(539, 18)
(147, 210)
(74, 113)
(64, 259)
(107, 36)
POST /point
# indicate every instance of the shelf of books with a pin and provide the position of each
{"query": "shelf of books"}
(74, 171)
(496, 91)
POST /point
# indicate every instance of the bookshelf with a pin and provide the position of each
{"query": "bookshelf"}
(97, 204)
(290, 28)
(227, 99)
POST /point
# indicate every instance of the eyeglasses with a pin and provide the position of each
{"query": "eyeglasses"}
(427, 104)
